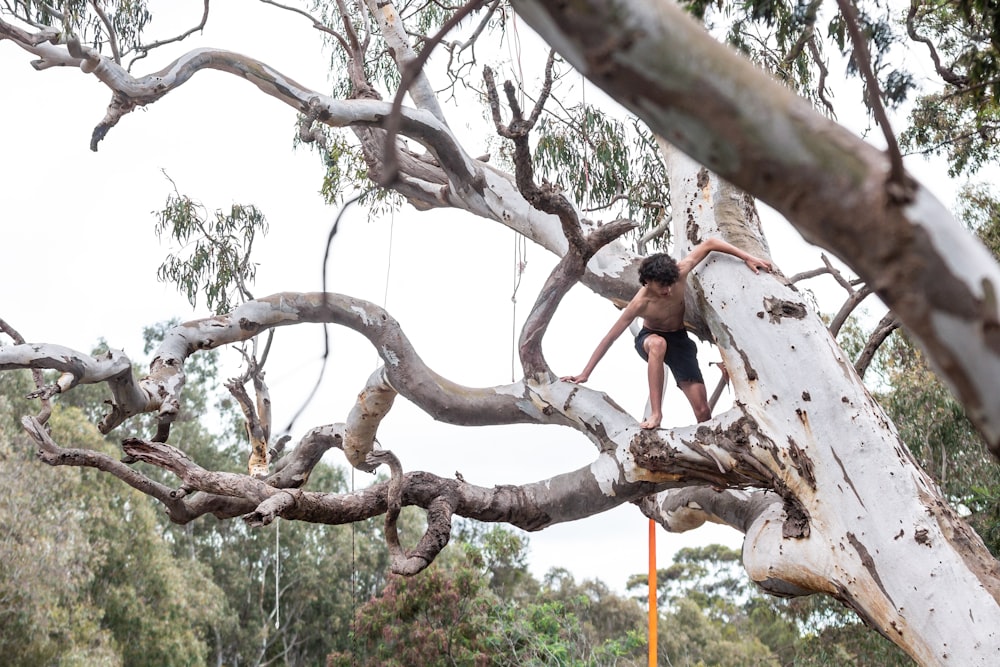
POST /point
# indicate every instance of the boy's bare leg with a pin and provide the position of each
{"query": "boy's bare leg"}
(697, 396)
(656, 348)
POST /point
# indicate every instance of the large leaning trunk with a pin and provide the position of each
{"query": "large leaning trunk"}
(858, 519)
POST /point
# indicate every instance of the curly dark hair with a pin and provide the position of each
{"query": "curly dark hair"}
(660, 267)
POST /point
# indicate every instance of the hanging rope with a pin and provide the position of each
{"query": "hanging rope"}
(354, 558)
(520, 261)
(388, 260)
(277, 573)
(517, 58)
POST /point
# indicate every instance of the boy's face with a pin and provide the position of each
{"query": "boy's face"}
(658, 288)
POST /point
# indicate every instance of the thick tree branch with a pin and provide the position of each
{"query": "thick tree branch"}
(680, 510)
(130, 397)
(451, 179)
(827, 182)
(683, 456)
(438, 531)
(562, 278)
(373, 403)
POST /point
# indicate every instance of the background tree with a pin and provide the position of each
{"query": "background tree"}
(72, 594)
(805, 455)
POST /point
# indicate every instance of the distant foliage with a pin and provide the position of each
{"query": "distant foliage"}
(213, 254)
(607, 165)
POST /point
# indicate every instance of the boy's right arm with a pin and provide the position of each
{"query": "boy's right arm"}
(620, 325)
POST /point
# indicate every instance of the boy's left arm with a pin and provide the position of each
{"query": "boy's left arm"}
(701, 251)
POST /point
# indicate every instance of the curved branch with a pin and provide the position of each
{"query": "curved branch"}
(52, 454)
(412, 72)
(36, 375)
(584, 492)
(112, 38)
(293, 469)
(438, 532)
(452, 178)
(566, 273)
(882, 331)
(373, 403)
(130, 397)
(852, 302)
(823, 73)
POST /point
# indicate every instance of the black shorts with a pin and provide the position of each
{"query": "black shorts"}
(682, 354)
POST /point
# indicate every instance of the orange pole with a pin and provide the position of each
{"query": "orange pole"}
(652, 593)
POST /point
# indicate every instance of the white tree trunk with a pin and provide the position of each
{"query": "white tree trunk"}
(861, 521)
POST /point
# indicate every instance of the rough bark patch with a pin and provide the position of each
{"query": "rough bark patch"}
(802, 462)
(778, 309)
(796, 524)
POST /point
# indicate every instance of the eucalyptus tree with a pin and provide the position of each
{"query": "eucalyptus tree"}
(807, 464)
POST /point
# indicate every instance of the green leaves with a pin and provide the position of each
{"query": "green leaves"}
(605, 164)
(214, 254)
(127, 19)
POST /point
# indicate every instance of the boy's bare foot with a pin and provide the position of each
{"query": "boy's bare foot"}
(652, 422)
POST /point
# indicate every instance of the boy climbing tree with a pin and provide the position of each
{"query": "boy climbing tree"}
(663, 338)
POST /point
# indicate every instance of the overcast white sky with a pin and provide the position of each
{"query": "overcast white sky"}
(78, 260)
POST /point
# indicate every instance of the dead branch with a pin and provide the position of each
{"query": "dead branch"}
(885, 327)
(144, 49)
(853, 301)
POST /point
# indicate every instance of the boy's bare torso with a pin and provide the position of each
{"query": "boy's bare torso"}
(662, 309)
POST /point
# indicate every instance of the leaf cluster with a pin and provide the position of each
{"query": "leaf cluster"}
(127, 20)
(214, 254)
(606, 164)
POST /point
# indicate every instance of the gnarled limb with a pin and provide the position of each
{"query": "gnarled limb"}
(438, 532)
(53, 454)
(130, 396)
(610, 481)
(373, 403)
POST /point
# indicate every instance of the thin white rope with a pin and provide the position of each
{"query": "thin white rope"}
(520, 262)
(277, 573)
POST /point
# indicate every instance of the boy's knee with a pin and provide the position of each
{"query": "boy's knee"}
(656, 346)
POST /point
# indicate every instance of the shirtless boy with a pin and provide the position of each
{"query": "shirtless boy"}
(663, 338)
